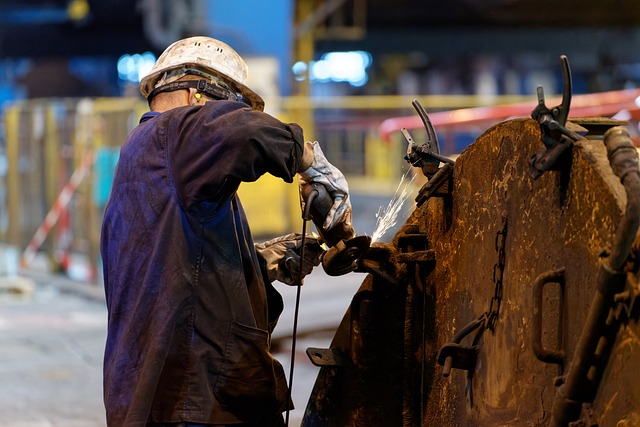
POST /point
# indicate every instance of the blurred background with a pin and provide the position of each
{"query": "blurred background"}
(343, 69)
(346, 70)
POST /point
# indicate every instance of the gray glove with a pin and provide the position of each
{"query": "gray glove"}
(282, 257)
(323, 172)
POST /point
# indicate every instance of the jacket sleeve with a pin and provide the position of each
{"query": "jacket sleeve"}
(211, 149)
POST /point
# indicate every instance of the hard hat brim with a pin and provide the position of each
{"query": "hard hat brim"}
(147, 84)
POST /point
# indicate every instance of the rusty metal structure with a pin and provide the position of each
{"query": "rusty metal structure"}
(508, 298)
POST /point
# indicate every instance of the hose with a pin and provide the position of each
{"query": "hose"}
(623, 157)
(580, 386)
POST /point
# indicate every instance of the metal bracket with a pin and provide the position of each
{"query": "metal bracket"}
(555, 136)
(458, 356)
(426, 156)
(412, 239)
(426, 257)
(379, 261)
(413, 245)
(325, 357)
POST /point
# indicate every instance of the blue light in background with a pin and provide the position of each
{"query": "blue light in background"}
(132, 68)
(350, 67)
(300, 71)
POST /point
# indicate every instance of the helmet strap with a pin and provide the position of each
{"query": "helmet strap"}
(211, 90)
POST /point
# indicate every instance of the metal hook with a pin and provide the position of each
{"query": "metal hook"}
(426, 156)
(432, 137)
(555, 136)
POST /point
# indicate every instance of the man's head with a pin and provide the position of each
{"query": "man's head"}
(204, 64)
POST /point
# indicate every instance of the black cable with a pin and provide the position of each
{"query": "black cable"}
(305, 218)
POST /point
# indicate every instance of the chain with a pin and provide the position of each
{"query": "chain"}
(498, 273)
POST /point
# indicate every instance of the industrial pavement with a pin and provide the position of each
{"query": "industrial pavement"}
(52, 339)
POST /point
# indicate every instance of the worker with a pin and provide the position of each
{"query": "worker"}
(190, 302)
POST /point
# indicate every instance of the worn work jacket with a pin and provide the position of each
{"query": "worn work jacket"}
(189, 309)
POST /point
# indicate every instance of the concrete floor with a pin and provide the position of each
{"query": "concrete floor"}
(52, 339)
(51, 345)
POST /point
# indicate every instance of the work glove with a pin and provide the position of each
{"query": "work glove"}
(323, 172)
(282, 257)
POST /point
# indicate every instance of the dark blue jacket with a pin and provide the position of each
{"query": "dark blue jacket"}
(190, 309)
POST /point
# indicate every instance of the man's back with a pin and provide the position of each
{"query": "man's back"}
(189, 319)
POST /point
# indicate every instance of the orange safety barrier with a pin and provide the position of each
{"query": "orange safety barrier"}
(56, 211)
(603, 104)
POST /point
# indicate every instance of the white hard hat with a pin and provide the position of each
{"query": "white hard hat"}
(203, 56)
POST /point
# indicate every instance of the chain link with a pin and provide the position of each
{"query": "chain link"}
(498, 273)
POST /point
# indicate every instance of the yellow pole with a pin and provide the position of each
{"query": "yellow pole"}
(101, 128)
(12, 123)
(304, 48)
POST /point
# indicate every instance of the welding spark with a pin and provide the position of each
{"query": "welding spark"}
(388, 217)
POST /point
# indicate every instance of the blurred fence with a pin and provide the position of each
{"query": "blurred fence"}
(46, 209)
(45, 142)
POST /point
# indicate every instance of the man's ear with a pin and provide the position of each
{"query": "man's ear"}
(194, 96)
